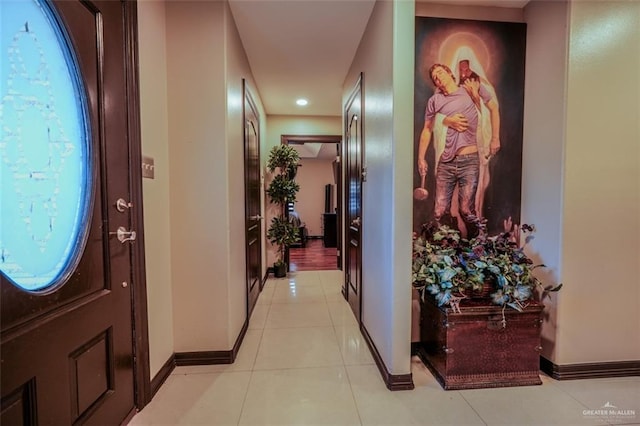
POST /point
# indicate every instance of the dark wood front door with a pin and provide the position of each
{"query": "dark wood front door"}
(252, 199)
(67, 352)
(353, 199)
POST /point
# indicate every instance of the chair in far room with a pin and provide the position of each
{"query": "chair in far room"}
(294, 218)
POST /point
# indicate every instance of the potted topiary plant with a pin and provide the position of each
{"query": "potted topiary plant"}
(283, 161)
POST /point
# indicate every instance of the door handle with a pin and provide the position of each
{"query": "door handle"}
(356, 221)
(256, 217)
(123, 235)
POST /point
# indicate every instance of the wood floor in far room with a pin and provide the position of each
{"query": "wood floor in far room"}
(313, 257)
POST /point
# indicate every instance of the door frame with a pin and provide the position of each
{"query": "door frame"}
(140, 332)
(334, 139)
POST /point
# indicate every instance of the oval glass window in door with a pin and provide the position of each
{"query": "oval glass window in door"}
(45, 150)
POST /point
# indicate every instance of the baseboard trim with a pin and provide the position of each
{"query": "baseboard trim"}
(239, 340)
(197, 358)
(266, 277)
(394, 382)
(212, 357)
(590, 370)
(130, 415)
(162, 375)
(203, 358)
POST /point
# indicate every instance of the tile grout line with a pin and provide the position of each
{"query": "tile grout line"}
(552, 383)
(472, 407)
(353, 395)
(344, 363)
(244, 400)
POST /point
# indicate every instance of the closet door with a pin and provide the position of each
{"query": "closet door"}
(353, 199)
(253, 218)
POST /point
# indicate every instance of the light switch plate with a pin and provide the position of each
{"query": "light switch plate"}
(147, 167)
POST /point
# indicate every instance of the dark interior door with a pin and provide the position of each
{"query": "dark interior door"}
(67, 351)
(252, 200)
(353, 199)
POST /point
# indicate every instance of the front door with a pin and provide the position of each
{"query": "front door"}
(252, 199)
(66, 237)
(353, 199)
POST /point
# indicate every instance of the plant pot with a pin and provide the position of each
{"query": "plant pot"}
(280, 270)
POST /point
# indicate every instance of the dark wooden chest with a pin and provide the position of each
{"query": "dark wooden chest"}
(478, 347)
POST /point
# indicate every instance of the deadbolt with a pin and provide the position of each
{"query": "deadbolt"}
(122, 205)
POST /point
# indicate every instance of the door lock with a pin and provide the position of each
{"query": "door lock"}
(123, 235)
(122, 205)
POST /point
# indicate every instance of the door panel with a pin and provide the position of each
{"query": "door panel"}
(353, 199)
(67, 355)
(252, 200)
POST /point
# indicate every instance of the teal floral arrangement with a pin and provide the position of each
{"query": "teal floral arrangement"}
(450, 268)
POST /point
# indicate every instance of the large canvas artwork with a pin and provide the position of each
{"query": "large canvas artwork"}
(468, 119)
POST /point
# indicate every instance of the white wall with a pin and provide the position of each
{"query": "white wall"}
(155, 143)
(599, 308)
(199, 190)
(237, 69)
(403, 83)
(301, 125)
(543, 147)
(387, 65)
(191, 118)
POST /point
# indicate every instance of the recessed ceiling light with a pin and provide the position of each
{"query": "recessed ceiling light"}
(302, 102)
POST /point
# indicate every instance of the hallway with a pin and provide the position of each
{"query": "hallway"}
(303, 361)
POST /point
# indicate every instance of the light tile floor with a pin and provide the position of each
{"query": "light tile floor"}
(304, 362)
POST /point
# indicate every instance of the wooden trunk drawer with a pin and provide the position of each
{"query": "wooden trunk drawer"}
(471, 349)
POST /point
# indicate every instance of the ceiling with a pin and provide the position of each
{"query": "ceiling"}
(315, 150)
(304, 48)
(301, 48)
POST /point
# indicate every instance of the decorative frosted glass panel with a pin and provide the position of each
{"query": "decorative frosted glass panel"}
(45, 161)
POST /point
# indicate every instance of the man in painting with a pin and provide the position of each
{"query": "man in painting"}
(452, 118)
